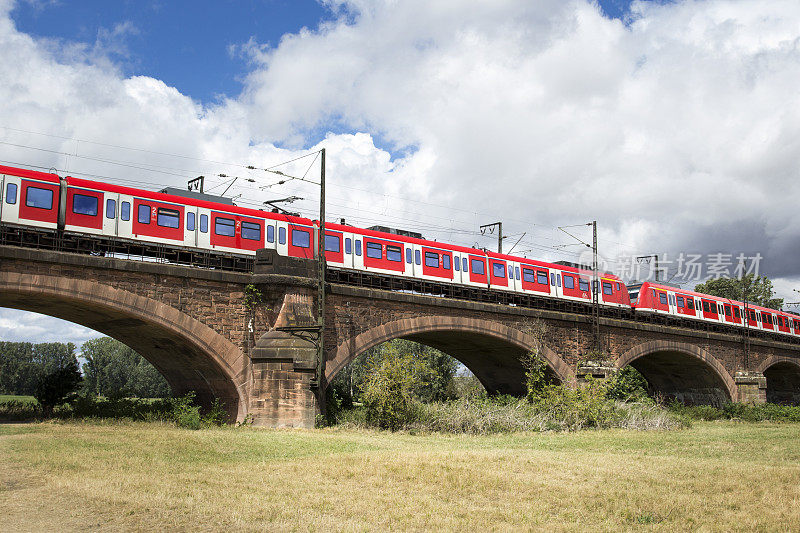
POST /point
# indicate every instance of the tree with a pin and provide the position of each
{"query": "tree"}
(388, 389)
(59, 381)
(755, 289)
(23, 365)
(435, 380)
(114, 369)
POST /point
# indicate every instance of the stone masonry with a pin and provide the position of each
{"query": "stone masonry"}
(249, 339)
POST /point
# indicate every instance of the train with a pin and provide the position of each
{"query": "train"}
(47, 201)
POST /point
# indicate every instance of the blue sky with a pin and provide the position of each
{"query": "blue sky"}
(191, 45)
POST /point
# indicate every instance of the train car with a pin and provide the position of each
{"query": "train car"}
(664, 299)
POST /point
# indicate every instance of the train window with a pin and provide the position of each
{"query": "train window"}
(39, 198)
(333, 244)
(301, 238)
(111, 208)
(541, 278)
(727, 310)
(203, 223)
(498, 270)
(510, 273)
(11, 193)
(583, 285)
(251, 231)
(753, 316)
(281, 235)
(528, 275)
(190, 219)
(394, 253)
(705, 306)
(672, 299)
(83, 204)
(662, 297)
(358, 248)
(608, 290)
(374, 250)
(225, 227)
(558, 279)
(432, 259)
(680, 302)
(457, 264)
(690, 303)
(125, 211)
(143, 215)
(516, 272)
(409, 256)
(478, 267)
(168, 218)
(417, 257)
(736, 313)
(348, 245)
(270, 233)
(552, 279)
(464, 264)
(617, 286)
(446, 261)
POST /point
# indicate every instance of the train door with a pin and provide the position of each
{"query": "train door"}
(347, 257)
(110, 218)
(124, 226)
(269, 234)
(282, 239)
(11, 194)
(191, 227)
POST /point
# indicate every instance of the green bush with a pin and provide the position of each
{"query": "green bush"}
(739, 411)
(388, 390)
(627, 385)
(19, 411)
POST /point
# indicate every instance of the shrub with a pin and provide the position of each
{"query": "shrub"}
(627, 385)
(57, 386)
(388, 391)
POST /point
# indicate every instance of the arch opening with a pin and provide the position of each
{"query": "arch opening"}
(675, 375)
(492, 352)
(183, 361)
(783, 383)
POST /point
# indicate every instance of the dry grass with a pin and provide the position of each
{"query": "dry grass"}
(719, 476)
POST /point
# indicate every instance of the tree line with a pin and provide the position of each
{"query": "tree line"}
(51, 371)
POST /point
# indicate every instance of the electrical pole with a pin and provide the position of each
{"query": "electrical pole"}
(641, 259)
(321, 287)
(491, 227)
(595, 290)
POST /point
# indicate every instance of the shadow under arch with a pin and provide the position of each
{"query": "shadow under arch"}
(783, 379)
(490, 350)
(681, 371)
(189, 354)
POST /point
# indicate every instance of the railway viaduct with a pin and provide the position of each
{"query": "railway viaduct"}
(209, 331)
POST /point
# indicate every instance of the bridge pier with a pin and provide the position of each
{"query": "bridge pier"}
(752, 387)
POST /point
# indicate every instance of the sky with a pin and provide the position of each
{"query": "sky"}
(674, 124)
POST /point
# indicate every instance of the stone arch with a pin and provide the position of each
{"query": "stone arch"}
(681, 371)
(783, 379)
(489, 349)
(189, 354)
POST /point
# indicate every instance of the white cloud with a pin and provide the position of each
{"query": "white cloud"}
(677, 131)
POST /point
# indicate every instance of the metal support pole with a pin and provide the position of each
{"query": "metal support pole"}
(596, 292)
(499, 234)
(321, 267)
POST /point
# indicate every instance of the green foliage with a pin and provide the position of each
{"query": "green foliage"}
(627, 385)
(114, 369)
(739, 411)
(58, 384)
(252, 297)
(19, 411)
(23, 365)
(435, 379)
(755, 289)
(388, 390)
(535, 374)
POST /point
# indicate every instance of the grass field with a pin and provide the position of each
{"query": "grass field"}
(13, 398)
(720, 476)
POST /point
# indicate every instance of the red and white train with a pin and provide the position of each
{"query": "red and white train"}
(73, 205)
